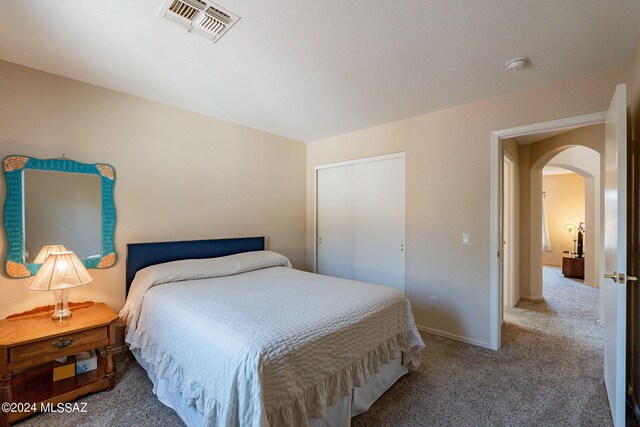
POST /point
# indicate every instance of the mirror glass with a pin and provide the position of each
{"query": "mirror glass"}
(62, 209)
(58, 202)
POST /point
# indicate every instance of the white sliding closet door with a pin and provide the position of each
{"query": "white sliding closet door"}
(360, 219)
(335, 207)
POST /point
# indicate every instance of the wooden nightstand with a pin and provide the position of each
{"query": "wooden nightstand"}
(573, 267)
(30, 341)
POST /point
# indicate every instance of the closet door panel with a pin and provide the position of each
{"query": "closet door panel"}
(336, 223)
(379, 211)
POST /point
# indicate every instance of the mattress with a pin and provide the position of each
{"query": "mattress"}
(247, 340)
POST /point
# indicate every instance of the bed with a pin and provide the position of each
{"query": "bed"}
(230, 335)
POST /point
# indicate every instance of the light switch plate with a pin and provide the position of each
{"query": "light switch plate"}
(465, 239)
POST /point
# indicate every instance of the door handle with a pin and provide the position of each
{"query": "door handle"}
(613, 276)
(621, 278)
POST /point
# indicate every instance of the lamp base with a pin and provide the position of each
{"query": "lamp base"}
(61, 310)
(61, 314)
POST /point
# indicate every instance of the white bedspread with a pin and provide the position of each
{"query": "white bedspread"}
(268, 347)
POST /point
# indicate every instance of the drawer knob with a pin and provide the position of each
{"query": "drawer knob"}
(62, 343)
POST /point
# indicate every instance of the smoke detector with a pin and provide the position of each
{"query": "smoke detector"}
(199, 16)
(517, 64)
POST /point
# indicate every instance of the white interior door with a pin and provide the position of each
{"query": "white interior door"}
(508, 276)
(614, 286)
(360, 220)
(336, 221)
(379, 225)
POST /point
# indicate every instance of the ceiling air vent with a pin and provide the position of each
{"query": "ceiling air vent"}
(186, 8)
(201, 17)
(215, 21)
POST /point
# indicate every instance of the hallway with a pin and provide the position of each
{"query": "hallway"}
(561, 346)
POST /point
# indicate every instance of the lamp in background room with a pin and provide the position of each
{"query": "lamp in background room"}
(46, 250)
(60, 272)
(581, 229)
(571, 228)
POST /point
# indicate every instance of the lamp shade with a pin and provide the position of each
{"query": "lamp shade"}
(61, 270)
(46, 250)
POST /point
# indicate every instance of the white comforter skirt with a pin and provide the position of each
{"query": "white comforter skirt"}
(268, 347)
(337, 415)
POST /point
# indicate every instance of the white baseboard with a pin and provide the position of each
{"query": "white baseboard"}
(516, 303)
(532, 298)
(454, 337)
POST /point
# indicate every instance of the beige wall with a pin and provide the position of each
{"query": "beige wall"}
(180, 175)
(589, 136)
(448, 191)
(565, 205)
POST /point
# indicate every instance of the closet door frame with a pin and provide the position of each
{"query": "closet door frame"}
(398, 155)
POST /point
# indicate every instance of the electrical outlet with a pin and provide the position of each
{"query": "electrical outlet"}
(434, 302)
(465, 239)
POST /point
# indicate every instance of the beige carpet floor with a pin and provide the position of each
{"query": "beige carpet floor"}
(548, 373)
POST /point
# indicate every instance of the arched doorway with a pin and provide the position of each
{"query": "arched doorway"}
(585, 160)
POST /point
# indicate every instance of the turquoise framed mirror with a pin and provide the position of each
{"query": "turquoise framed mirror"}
(58, 202)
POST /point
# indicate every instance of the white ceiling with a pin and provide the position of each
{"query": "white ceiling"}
(310, 69)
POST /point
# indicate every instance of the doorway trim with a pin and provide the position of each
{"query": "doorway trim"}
(508, 242)
(495, 292)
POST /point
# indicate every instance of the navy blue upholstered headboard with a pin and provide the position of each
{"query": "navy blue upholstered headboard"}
(141, 255)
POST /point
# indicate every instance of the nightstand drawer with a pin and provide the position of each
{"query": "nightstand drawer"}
(59, 346)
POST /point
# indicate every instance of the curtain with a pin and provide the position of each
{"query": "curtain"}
(546, 238)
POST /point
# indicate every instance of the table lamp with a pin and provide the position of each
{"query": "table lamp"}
(60, 272)
(571, 228)
(46, 250)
